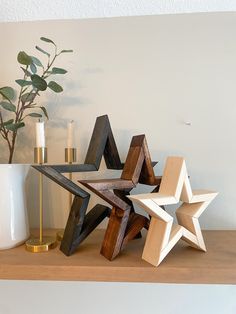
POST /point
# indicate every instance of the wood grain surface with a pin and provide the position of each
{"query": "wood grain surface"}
(183, 264)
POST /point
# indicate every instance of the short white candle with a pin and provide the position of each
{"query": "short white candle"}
(70, 134)
(40, 136)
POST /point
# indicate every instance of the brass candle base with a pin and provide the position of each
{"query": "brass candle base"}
(36, 246)
(60, 235)
(41, 244)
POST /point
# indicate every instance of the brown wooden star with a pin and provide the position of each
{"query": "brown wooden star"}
(124, 224)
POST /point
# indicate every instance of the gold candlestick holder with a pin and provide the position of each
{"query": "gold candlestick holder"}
(70, 157)
(43, 243)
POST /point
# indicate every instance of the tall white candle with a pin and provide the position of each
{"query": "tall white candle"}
(40, 136)
(70, 134)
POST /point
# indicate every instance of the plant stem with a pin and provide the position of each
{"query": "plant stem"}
(4, 134)
(11, 152)
(21, 107)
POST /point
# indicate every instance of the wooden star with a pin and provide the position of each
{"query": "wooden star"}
(79, 224)
(162, 233)
(124, 224)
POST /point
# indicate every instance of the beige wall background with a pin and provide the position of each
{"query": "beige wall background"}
(150, 75)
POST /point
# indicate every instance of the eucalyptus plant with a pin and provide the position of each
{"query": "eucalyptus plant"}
(36, 78)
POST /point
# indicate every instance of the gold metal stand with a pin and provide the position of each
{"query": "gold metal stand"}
(70, 157)
(43, 244)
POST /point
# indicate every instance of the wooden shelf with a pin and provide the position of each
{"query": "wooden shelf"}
(182, 265)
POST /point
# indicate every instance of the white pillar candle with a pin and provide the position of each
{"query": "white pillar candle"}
(70, 134)
(40, 136)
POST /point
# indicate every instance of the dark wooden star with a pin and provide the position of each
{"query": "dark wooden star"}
(79, 224)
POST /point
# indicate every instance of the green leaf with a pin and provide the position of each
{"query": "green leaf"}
(35, 115)
(55, 87)
(45, 112)
(8, 106)
(28, 97)
(38, 82)
(15, 126)
(23, 83)
(7, 92)
(33, 68)
(36, 61)
(65, 51)
(27, 73)
(58, 71)
(43, 51)
(23, 58)
(8, 122)
(47, 40)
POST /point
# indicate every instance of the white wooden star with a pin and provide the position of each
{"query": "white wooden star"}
(163, 234)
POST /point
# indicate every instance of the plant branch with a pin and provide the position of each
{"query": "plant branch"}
(27, 93)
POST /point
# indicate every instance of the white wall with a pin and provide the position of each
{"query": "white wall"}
(160, 71)
(150, 75)
(30, 10)
(27, 297)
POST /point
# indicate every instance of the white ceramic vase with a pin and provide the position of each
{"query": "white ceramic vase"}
(14, 227)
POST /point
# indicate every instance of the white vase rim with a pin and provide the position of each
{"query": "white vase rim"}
(14, 166)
